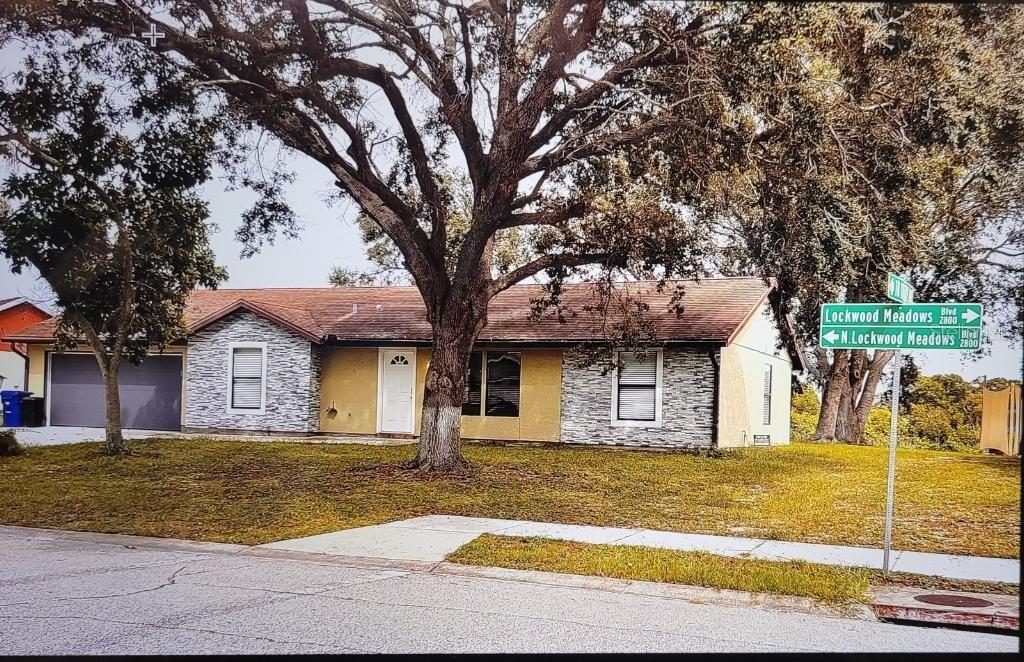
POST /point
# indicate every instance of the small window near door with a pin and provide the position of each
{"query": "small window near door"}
(502, 393)
(766, 410)
(247, 378)
(474, 384)
(636, 397)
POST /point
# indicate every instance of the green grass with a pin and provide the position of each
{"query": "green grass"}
(254, 492)
(826, 583)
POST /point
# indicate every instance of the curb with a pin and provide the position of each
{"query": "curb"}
(147, 542)
(694, 594)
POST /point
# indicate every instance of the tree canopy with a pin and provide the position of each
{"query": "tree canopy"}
(102, 201)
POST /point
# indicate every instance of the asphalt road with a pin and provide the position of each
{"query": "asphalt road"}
(74, 596)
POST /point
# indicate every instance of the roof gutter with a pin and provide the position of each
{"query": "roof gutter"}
(716, 379)
(332, 340)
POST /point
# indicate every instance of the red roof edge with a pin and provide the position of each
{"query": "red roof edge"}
(256, 309)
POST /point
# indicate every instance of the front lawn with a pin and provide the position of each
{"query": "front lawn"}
(254, 492)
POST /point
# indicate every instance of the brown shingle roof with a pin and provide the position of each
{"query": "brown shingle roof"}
(714, 309)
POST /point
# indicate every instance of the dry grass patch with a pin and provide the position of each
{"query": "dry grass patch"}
(826, 583)
(255, 492)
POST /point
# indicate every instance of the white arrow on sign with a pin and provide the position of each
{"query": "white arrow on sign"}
(969, 316)
(831, 336)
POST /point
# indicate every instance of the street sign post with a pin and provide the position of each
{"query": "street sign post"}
(899, 326)
(899, 290)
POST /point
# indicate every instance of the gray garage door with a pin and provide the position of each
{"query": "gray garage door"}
(150, 393)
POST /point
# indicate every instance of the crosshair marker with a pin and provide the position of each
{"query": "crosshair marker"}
(152, 35)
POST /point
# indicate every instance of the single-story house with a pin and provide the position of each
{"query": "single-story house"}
(16, 314)
(352, 360)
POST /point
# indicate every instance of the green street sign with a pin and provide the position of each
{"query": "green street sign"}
(899, 290)
(950, 326)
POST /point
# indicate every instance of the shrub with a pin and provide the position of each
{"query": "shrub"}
(876, 429)
(9, 445)
(807, 402)
(803, 416)
(803, 426)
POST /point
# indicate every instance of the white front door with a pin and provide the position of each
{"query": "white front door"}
(398, 383)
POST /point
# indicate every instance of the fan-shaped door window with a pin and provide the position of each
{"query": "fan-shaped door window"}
(399, 359)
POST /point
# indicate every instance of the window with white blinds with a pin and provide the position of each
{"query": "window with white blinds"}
(247, 378)
(766, 409)
(637, 388)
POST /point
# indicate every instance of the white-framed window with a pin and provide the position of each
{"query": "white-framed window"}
(636, 390)
(247, 378)
(766, 406)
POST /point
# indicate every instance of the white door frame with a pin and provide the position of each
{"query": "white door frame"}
(380, 390)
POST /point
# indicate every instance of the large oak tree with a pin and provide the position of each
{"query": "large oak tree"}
(544, 106)
(899, 133)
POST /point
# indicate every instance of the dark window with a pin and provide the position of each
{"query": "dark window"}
(502, 384)
(471, 404)
(638, 382)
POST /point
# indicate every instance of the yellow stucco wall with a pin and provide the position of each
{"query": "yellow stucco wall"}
(741, 386)
(350, 380)
(37, 368)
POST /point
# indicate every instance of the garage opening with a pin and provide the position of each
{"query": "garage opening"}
(150, 393)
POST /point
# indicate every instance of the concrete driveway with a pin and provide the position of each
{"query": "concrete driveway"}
(53, 435)
(86, 593)
(62, 434)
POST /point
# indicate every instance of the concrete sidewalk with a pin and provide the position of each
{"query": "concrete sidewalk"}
(432, 538)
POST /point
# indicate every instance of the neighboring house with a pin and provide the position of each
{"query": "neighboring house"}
(15, 315)
(352, 361)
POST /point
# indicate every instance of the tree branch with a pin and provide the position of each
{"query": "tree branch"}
(552, 261)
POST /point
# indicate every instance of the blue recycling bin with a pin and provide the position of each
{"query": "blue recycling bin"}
(12, 407)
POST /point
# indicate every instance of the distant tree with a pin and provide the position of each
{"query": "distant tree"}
(941, 412)
(102, 201)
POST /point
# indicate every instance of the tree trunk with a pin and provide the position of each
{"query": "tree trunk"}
(456, 326)
(844, 413)
(115, 443)
(862, 407)
(838, 380)
(109, 364)
(440, 446)
(851, 386)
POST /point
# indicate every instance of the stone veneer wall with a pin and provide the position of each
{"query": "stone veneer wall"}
(293, 377)
(687, 393)
(316, 359)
